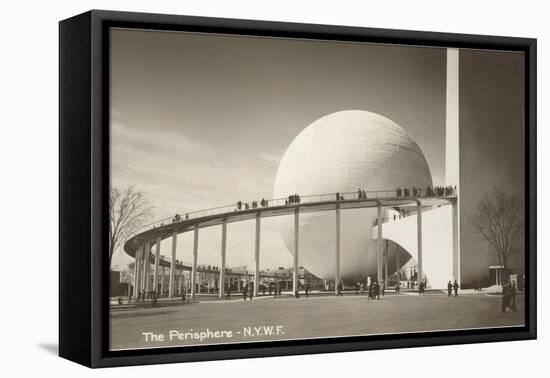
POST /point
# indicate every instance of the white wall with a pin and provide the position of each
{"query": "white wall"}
(28, 148)
(437, 242)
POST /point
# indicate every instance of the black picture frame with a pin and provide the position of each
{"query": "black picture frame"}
(84, 179)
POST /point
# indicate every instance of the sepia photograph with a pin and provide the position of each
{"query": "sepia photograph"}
(268, 189)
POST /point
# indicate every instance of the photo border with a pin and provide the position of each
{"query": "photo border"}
(84, 190)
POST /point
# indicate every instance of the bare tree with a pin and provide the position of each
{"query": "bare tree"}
(128, 210)
(499, 220)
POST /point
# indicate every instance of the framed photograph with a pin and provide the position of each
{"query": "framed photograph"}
(234, 188)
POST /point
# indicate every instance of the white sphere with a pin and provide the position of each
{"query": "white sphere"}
(342, 152)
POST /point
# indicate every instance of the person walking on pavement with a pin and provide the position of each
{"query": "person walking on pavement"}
(512, 300)
(371, 291)
(339, 289)
(505, 304)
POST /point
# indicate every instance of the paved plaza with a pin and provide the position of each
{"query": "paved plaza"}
(268, 318)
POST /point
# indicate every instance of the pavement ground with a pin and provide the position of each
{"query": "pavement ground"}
(286, 318)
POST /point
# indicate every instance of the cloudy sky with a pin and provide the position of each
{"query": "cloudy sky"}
(199, 121)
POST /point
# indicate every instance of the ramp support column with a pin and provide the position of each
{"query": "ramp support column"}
(146, 261)
(337, 262)
(419, 241)
(296, 244)
(171, 286)
(137, 269)
(222, 264)
(257, 256)
(379, 221)
(195, 257)
(156, 273)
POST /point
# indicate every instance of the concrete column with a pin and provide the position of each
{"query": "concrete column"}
(147, 266)
(143, 275)
(380, 246)
(386, 266)
(337, 257)
(176, 283)
(136, 272)
(452, 148)
(195, 256)
(397, 263)
(156, 274)
(141, 253)
(419, 241)
(296, 245)
(222, 263)
(200, 282)
(257, 256)
(162, 281)
(171, 285)
(452, 121)
(180, 283)
(456, 243)
(141, 268)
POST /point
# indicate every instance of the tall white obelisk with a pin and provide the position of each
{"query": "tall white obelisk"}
(452, 150)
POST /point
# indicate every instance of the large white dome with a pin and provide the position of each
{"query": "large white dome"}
(342, 152)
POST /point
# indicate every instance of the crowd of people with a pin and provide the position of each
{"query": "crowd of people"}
(373, 289)
(436, 191)
(209, 268)
(178, 218)
(252, 205)
(248, 291)
(293, 199)
(452, 287)
(361, 194)
(273, 288)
